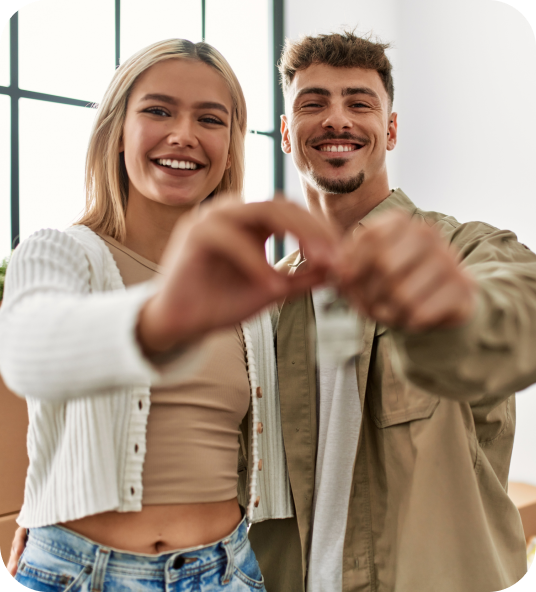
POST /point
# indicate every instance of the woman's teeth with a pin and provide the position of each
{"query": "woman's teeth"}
(177, 164)
(337, 148)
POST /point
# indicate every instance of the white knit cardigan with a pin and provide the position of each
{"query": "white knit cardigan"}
(67, 344)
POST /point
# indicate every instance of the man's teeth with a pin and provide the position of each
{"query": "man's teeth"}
(337, 148)
(177, 164)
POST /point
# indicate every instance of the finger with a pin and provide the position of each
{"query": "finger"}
(316, 236)
(449, 306)
(17, 548)
(393, 266)
(359, 253)
(241, 252)
(406, 289)
(409, 294)
(300, 283)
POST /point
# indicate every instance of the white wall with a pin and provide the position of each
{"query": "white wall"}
(465, 88)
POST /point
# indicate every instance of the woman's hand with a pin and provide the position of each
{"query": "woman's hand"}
(216, 273)
(17, 548)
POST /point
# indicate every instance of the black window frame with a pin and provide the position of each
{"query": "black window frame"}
(15, 93)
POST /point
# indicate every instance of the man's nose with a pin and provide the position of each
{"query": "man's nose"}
(337, 119)
(183, 133)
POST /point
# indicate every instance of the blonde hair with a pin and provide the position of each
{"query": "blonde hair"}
(106, 174)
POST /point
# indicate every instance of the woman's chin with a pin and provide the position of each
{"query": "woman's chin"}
(180, 201)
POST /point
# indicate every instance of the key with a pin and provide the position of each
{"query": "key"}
(339, 329)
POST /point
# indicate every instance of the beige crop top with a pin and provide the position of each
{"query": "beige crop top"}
(192, 430)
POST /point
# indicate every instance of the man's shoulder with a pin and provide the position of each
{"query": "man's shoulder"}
(458, 233)
(465, 236)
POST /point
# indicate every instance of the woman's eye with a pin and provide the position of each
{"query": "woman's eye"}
(157, 111)
(211, 119)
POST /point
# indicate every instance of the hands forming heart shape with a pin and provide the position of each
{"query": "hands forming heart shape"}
(396, 270)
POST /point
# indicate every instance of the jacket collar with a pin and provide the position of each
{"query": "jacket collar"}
(396, 199)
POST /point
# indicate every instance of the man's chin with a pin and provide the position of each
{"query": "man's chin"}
(339, 186)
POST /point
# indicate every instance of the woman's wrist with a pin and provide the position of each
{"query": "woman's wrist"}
(155, 334)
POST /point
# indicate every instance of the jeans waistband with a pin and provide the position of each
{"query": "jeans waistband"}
(76, 548)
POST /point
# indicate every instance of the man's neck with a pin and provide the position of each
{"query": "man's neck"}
(344, 211)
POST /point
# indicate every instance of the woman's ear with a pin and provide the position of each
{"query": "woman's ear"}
(228, 164)
(121, 147)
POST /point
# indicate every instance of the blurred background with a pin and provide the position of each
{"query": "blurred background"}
(465, 82)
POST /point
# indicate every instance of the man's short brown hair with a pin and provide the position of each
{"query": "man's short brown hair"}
(340, 50)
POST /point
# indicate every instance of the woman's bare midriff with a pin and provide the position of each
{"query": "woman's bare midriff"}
(159, 529)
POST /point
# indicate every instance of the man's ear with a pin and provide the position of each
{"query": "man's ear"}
(392, 131)
(285, 135)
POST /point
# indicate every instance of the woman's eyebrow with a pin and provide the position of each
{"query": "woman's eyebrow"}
(172, 101)
(159, 97)
(211, 105)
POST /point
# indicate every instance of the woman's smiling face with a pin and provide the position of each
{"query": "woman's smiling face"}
(177, 132)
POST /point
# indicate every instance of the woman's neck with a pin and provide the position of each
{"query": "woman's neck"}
(149, 225)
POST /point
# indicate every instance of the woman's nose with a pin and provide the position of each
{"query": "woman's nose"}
(183, 133)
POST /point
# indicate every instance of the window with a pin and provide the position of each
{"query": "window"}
(58, 56)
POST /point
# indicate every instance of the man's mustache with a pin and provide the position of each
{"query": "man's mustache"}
(344, 136)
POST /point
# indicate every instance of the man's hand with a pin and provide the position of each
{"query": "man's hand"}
(17, 548)
(403, 274)
(216, 273)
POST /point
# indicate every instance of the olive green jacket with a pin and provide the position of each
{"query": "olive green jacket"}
(429, 509)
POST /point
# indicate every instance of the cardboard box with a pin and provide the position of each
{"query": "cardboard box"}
(524, 497)
(13, 456)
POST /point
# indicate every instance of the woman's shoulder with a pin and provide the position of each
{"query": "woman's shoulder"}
(75, 246)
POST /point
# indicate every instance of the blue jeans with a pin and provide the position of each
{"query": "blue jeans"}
(57, 559)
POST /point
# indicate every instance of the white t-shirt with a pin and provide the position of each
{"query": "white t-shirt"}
(339, 421)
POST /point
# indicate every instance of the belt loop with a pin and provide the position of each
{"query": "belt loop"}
(99, 569)
(226, 578)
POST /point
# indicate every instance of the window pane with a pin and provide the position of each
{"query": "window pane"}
(66, 47)
(5, 177)
(53, 143)
(143, 23)
(4, 57)
(259, 183)
(242, 31)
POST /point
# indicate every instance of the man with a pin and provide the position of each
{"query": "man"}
(399, 468)
(398, 463)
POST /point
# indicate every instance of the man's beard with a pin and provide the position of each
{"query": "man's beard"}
(339, 186)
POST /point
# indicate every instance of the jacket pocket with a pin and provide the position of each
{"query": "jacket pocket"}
(393, 399)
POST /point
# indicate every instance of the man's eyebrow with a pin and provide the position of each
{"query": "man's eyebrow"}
(360, 90)
(313, 90)
(172, 101)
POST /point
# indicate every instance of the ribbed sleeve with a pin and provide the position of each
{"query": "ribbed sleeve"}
(76, 342)
(67, 344)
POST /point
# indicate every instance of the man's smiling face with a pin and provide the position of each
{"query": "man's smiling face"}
(338, 127)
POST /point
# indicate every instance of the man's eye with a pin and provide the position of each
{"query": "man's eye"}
(311, 105)
(360, 105)
(157, 111)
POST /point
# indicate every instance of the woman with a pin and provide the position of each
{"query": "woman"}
(132, 488)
